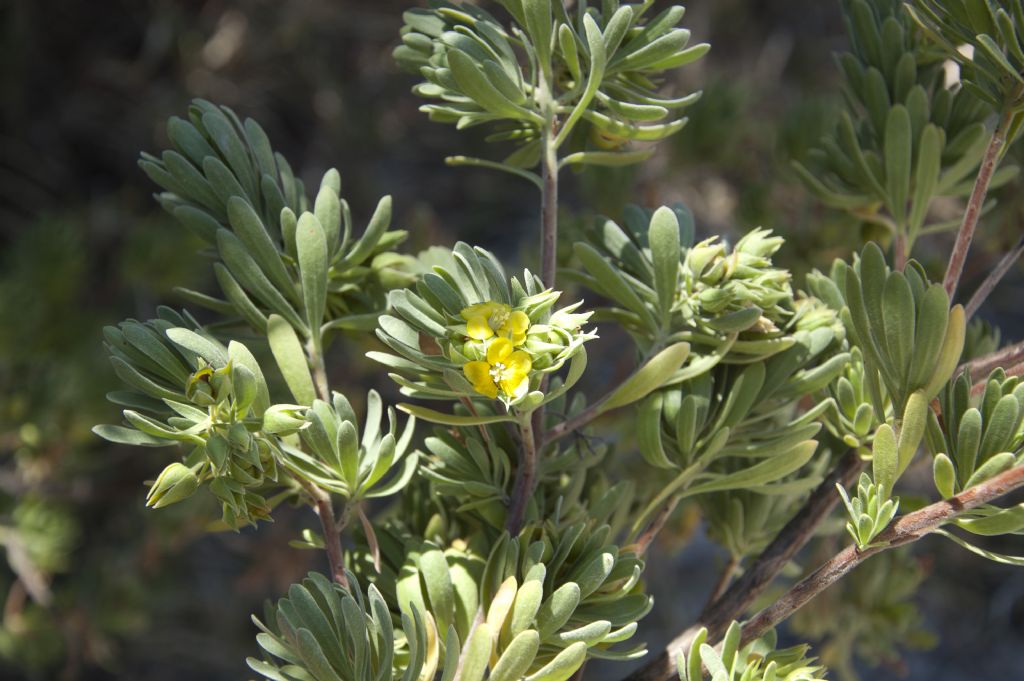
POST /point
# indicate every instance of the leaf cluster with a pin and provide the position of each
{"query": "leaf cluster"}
(760, 660)
(905, 136)
(994, 68)
(551, 67)
(273, 255)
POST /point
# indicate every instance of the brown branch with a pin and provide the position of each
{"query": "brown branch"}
(319, 370)
(526, 477)
(643, 542)
(983, 366)
(992, 279)
(332, 530)
(974, 205)
(737, 598)
(905, 530)
(979, 386)
(560, 430)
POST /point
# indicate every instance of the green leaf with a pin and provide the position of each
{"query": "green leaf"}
(348, 453)
(565, 664)
(130, 436)
(607, 159)
(991, 555)
(244, 268)
(311, 243)
(884, 458)
(898, 149)
(477, 653)
(474, 83)
(207, 348)
(291, 360)
(327, 209)
(367, 243)
(997, 521)
(926, 175)
(524, 609)
(253, 234)
(898, 318)
(949, 355)
(759, 474)
(651, 376)
(517, 658)
(944, 475)
(433, 567)
(663, 237)
(567, 44)
(915, 420)
(434, 416)
(240, 356)
(557, 609)
(537, 14)
(932, 317)
(612, 282)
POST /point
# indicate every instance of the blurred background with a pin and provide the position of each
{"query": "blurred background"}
(93, 586)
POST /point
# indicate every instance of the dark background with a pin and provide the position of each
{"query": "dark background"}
(87, 85)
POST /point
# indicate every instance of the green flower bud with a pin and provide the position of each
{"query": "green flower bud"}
(284, 419)
(701, 255)
(239, 437)
(176, 483)
(246, 388)
(199, 391)
(218, 450)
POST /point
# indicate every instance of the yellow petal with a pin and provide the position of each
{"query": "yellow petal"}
(499, 350)
(518, 364)
(479, 374)
(518, 338)
(514, 385)
(517, 322)
(484, 310)
(478, 328)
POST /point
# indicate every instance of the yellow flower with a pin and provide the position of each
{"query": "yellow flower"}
(515, 327)
(484, 320)
(505, 368)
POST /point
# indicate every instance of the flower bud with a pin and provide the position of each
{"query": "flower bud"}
(199, 391)
(239, 437)
(176, 483)
(284, 419)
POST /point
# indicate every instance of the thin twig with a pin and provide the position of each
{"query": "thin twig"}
(526, 474)
(321, 498)
(560, 430)
(492, 165)
(643, 542)
(319, 370)
(723, 580)
(737, 598)
(331, 530)
(549, 209)
(994, 277)
(899, 250)
(548, 218)
(983, 366)
(974, 205)
(905, 530)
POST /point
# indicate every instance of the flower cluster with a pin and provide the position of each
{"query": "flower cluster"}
(186, 388)
(468, 331)
(717, 282)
